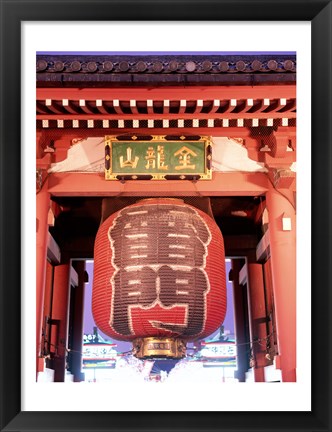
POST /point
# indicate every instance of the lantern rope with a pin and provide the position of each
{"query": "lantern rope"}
(250, 343)
(68, 350)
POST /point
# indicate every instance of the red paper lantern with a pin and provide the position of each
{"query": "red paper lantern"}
(159, 276)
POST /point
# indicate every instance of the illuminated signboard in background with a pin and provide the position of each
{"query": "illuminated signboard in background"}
(97, 354)
(221, 353)
(158, 158)
(219, 350)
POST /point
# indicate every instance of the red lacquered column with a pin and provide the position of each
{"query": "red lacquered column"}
(42, 208)
(257, 318)
(283, 264)
(60, 319)
(239, 322)
(78, 323)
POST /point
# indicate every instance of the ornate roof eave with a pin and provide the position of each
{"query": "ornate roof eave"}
(164, 70)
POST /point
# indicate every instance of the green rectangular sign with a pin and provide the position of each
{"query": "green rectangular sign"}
(157, 159)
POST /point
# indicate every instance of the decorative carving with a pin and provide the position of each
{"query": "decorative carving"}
(75, 141)
(59, 66)
(41, 175)
(190, 66)
(272, 65)
(123, 66)
(41, 65)
(256, 65)
(282, 178)
(157, 66)
(180, 64)
(223, 66)
(173, 65)
(92, 67)
(141, 66)
(238, 140)
(207, 65)
(107, 66)
(289, 65)
(76, 66)
(240, 66)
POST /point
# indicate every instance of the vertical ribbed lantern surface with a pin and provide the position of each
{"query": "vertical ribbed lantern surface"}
(159, 277)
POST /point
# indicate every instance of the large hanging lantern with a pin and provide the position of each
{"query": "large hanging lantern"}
(159, 277)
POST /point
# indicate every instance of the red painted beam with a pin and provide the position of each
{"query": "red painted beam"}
(237, 132)
(169, 93)
(94, 184)
(182, 116)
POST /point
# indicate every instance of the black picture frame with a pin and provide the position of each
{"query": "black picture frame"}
(13, 12)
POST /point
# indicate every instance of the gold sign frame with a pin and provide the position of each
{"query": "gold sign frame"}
(157, 159)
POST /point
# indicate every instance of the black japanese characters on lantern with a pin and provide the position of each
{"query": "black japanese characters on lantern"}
(152, 278)
(141, 279)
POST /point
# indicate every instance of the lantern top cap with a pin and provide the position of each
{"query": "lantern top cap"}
(177, 200)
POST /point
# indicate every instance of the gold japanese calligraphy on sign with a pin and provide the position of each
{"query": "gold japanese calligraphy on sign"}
(185, 154)
(157, 158)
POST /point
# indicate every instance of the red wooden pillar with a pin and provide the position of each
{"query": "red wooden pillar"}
(256, 300)
(60, 319)
(42, 208)
(47, 309)
(283, 264)
(239, 321)
(78, 325)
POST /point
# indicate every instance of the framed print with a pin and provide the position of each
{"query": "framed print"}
(141, 132)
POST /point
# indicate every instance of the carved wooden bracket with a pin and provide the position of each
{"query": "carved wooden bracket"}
(42, 166)
(62, 144)
(282, 178)
(274, 148)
